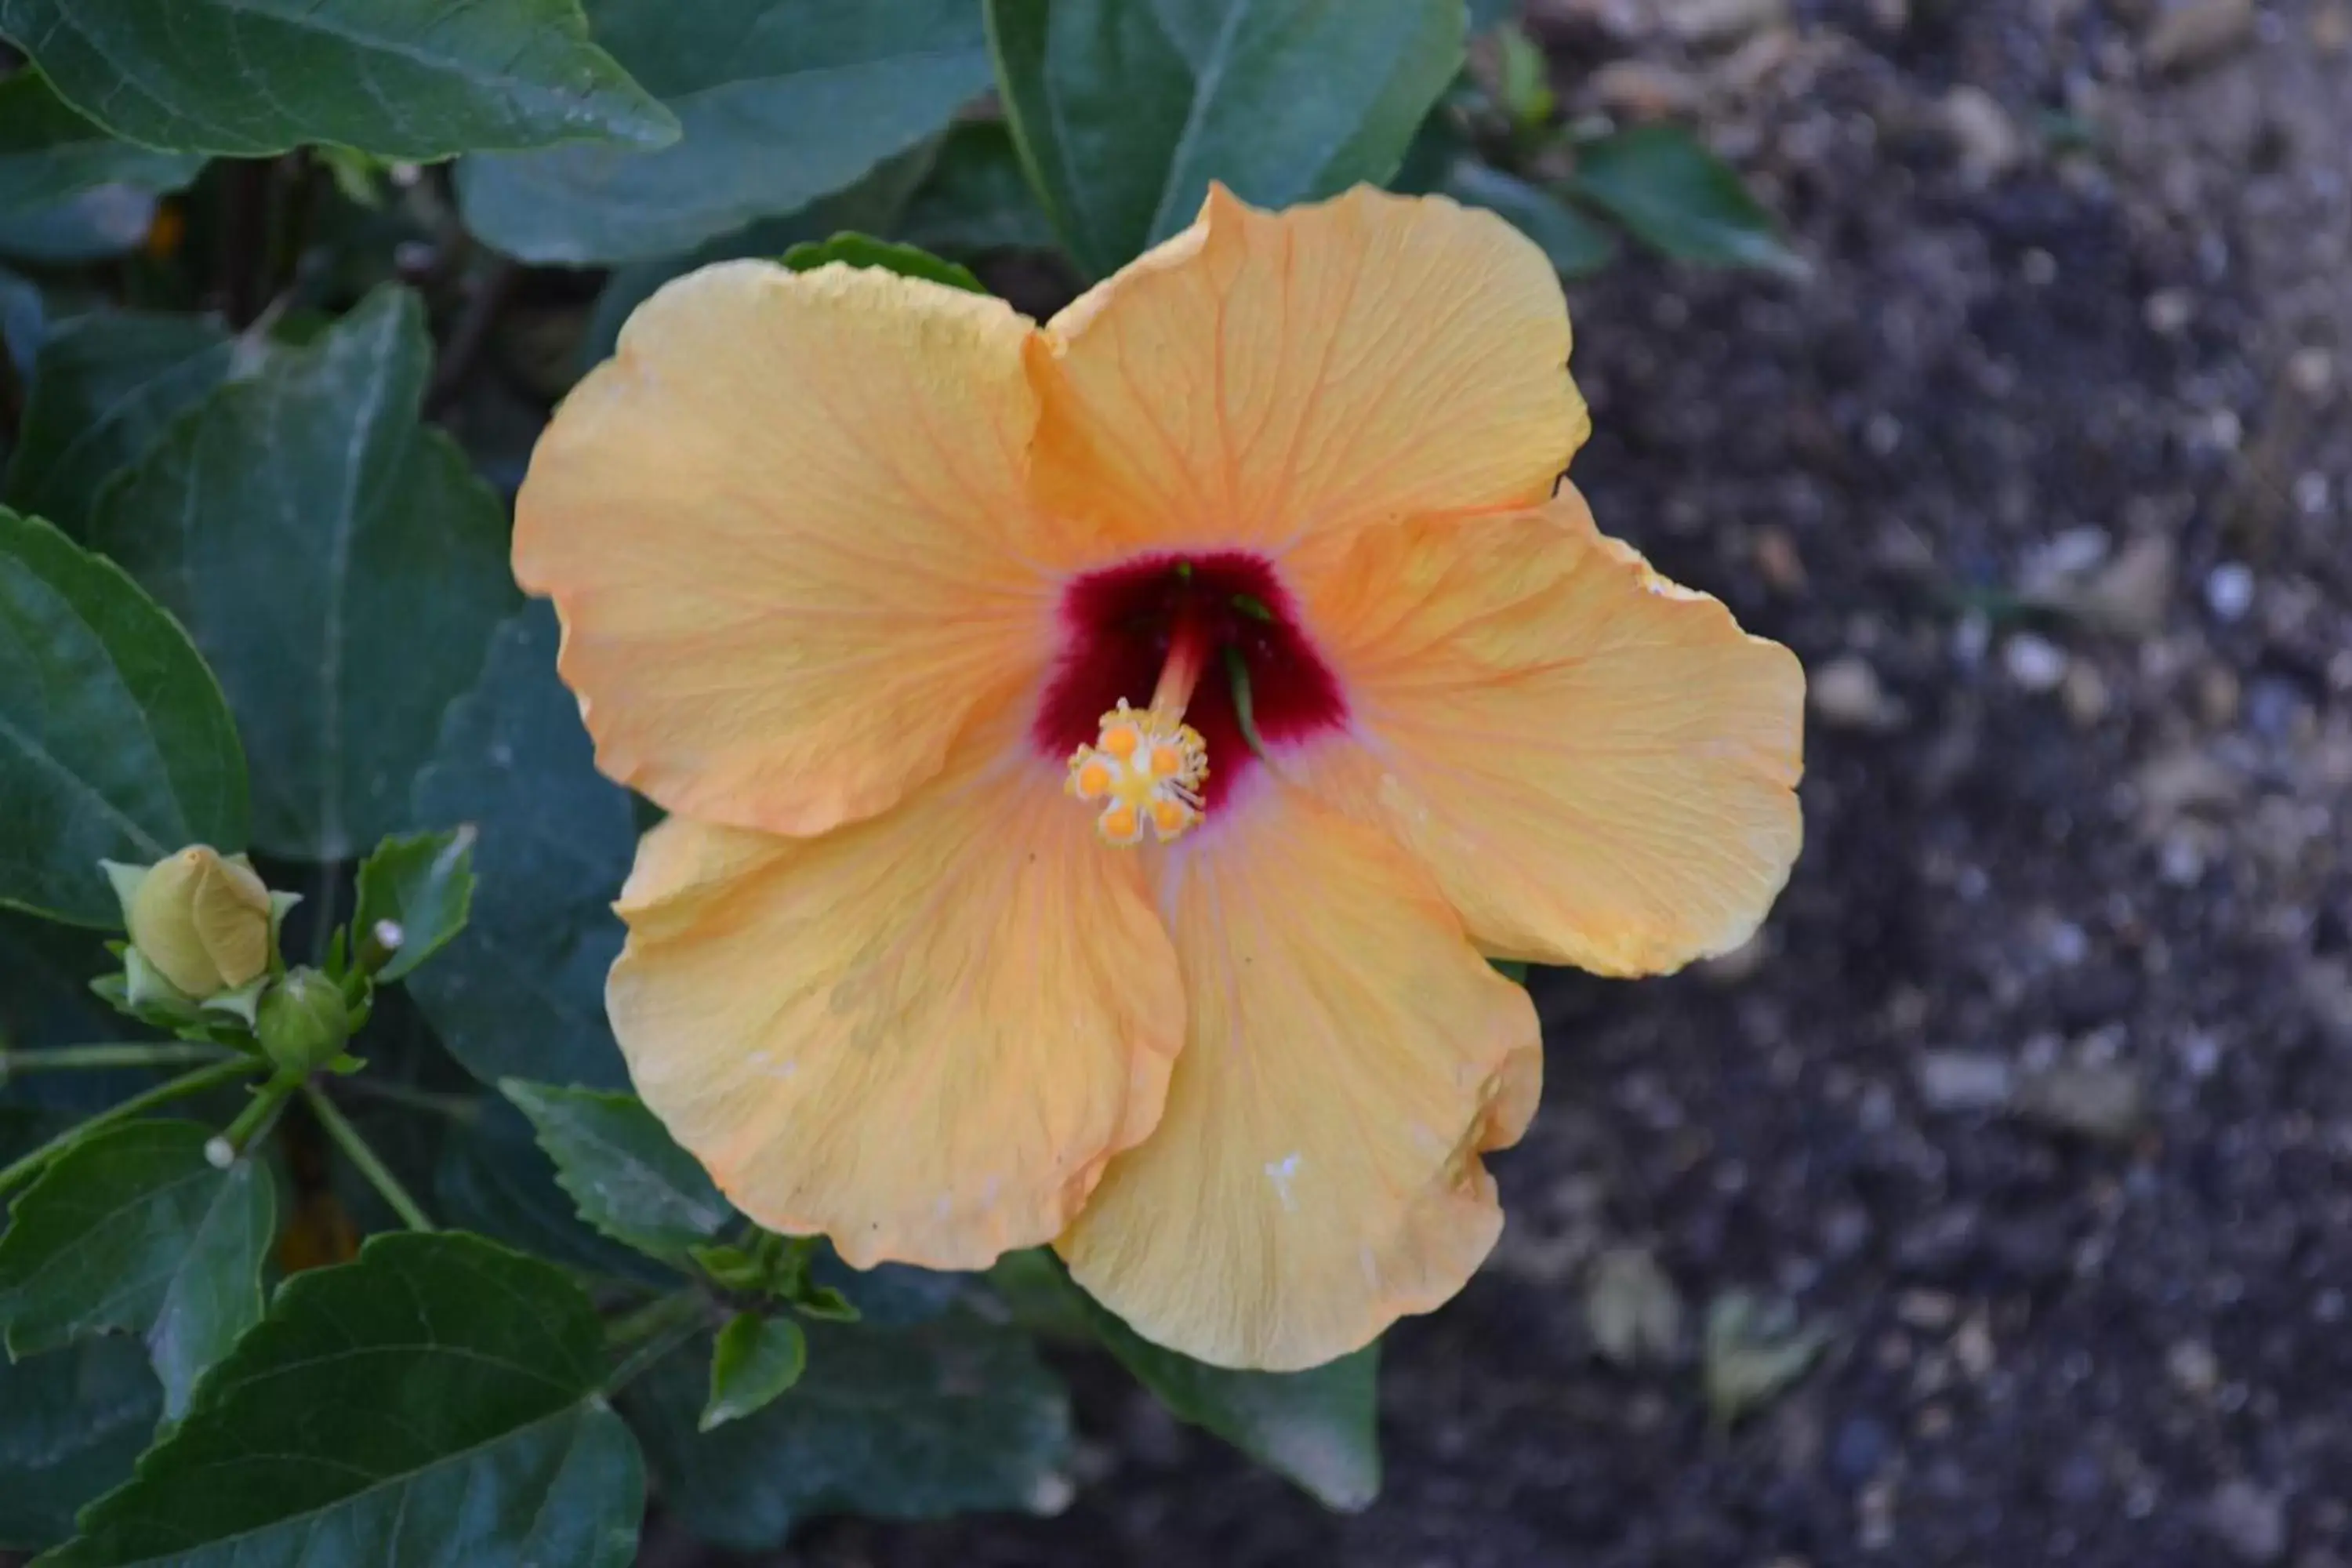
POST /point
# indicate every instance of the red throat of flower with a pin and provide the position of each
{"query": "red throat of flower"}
(1212, 647)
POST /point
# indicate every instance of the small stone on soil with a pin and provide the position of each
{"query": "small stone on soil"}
(2099, 1100)
(2248, 1520)
(1846, 693)
(2190, 35)
(2129, 596)
(2230, 591)
(1981, 132)
(1719, 22)
(2035, 663)
(1964, 1080)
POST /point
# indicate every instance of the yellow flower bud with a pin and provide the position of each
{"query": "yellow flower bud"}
(203, 920)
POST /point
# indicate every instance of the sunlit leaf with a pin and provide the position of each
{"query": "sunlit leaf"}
(402, 78)
(915, 1423)
(339, 564)
(114, 740)
(630, 1179)
(1576, 245)
(423, 885)
(782, 101)
(1125, 113)
(103, 389)
(1661, 184)
(753, 1361)
(852, 250)
(1320, 1427)
(977, 196)
(68, 191)
(520, 993)
(435, 1402)
(134, 1230)
(71, 1424)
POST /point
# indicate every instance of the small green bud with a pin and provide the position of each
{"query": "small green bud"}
(202, 920)
(304, 1022)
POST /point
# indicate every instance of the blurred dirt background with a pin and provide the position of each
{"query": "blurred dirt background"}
(2032, 1109)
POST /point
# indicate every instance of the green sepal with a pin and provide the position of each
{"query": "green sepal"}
(243, 1003)
(278, 904)
(753, 1363)
(826, 1304)
(729, 1267)
(146, 990)
(125, 881)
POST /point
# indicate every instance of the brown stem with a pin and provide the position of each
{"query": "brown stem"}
(472, 333)
(242, 277)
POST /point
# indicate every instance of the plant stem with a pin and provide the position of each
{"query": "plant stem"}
(471, 334)
(459, 1108)
(371, 1166)
(123, 1054)
(244, 240)
(657, 1328)
(180, 1088)
(260, 1115)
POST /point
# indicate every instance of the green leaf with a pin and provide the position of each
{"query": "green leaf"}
(853, 250)
(23, 319)
(1754, 1348)
(754, 1361)
(951, 1416)
(114, 740)
(1674, 194)
(977, 197)
(46, 1000)
(873, 206)
(492, 1176)
(1123, 112)
(520, 993)
(620, 1165)
(1318, 1427)
(435, 1402)
(103, 389)
(423, 884)
(71, 1425)
(780, 100)
(339, 564)
(69, 192)
(400, 79)
(1577, 246)
(134, 1230)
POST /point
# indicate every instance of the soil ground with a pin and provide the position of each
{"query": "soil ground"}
(2036, 1096)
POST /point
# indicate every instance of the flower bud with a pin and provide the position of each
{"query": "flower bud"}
(202, 920)
(303, 1021)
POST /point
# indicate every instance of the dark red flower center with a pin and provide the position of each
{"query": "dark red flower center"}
(1117, 626)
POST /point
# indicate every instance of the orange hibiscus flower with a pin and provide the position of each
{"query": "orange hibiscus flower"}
(1102, 756)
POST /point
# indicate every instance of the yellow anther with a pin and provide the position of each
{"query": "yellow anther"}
(1144, 768)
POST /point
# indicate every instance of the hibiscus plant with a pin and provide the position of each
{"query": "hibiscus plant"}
(654, 849)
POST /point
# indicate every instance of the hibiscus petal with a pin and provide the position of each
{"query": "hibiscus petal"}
(786, 530)
(1316, 1173)
(1599, 764)
(1263, 378)
(921, 1036)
